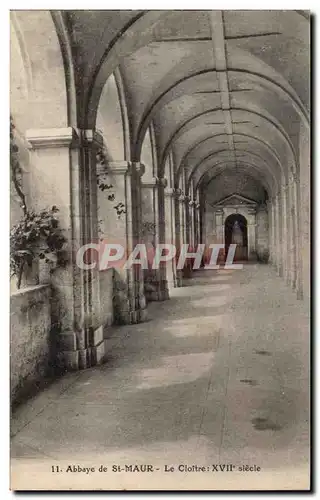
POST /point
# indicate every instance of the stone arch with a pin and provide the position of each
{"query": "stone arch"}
(241, 252)
(136, 33)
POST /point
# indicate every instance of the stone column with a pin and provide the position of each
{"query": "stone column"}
(192, 238)
(203, 236)
(64, 174)
(273, 233)
(187, 221)
(156, 287)
(277, 234)
(182, 212)
(117, 229)
(177, 193)
(138, 170)
(285, 233)
(279, 224)
(220, 220)
(170, 234)
(262, 232)
(129, 300)
(91, 143)
(252, 233)
(304, 212)
(187, 212)
(183, 202)
(295, 241)
(270, 243)
(197, 223)
(219, 214)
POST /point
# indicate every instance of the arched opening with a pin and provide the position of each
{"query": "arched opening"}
(110, 121)
(236, 232)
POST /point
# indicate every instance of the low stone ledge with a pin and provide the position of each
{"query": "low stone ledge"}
(31, 348)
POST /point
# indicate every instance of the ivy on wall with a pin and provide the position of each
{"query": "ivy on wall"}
(103, 186)
(148, 228)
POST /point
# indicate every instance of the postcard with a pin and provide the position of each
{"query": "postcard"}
(160, 250)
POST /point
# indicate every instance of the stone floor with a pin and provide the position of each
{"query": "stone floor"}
(218, 375)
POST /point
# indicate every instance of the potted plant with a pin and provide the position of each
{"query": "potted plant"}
(37, 237)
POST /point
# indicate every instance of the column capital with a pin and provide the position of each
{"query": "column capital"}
(192, 203)
(116, 167)
(150, 183)
(219, 211)
(293, 176)
(163, 181)
(197, 204)
(263, 206)
(138, 168)
(53, 137)
(154, 181)
(45, 138)
(169, 192)
(252, 210)
(90, 136)
(177, 192)
(187, 198)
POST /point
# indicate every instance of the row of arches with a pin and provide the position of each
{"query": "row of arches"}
(168, 128)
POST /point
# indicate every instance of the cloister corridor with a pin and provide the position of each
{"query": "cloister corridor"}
(204, 381)
(134, 133)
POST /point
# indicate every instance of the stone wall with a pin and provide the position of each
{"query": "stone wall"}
(305, 195)
(31, 348)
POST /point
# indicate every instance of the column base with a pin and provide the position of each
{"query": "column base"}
(138, 316)
(157, 296)
(69, 358)
(179, 279)
(252, 256)
(299, 295)
(187, 273)
(155, 289)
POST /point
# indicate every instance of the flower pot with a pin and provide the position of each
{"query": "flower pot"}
(30, 274)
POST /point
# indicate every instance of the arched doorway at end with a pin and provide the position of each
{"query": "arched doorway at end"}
(236, 232)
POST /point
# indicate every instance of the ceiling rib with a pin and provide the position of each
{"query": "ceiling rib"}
(252, 35)
(218, 91)
(183, 39)
(220, 59)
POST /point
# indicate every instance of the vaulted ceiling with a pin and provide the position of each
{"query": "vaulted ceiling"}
(223, 89)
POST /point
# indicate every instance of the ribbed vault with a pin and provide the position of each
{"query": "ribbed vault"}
(217, 86)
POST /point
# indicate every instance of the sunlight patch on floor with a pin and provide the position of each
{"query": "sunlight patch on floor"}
(220, 277)
(210, 301)
(217, 287)
(179, 369)
(197, 326)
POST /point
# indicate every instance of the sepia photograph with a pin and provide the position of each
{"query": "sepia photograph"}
(160, 250)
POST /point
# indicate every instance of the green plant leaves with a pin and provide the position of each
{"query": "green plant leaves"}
(36, 235)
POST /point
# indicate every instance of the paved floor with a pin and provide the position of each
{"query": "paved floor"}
(218, 375)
